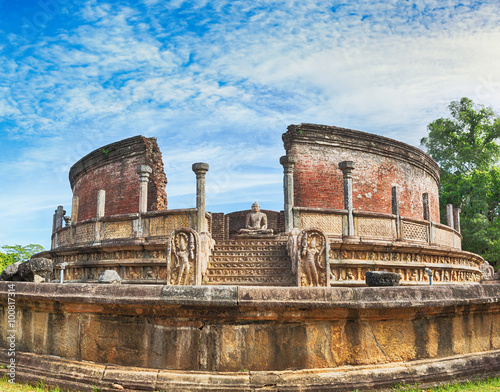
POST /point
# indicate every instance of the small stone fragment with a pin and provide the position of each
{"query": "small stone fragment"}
(382, 278)
(117, 386)
(109, 276)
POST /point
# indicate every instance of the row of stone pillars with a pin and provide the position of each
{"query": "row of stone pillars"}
(347, 167)
(288, 162)
(144, 172)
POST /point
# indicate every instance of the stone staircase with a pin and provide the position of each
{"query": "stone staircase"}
(250, 262)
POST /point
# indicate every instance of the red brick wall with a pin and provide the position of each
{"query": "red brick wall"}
(218, 228)
(113, 168)
(380, 164)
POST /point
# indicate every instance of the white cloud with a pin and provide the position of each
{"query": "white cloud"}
(220, 81)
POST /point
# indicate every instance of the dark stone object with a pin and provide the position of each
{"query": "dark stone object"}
(33, 267)
(10, 272)
(382, 278)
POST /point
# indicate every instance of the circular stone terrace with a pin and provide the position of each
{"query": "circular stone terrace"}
(206, 306)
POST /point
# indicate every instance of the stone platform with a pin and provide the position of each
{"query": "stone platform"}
(240, 338)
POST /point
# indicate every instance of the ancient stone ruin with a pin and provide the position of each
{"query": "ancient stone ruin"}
(367, 203)
(260, 298)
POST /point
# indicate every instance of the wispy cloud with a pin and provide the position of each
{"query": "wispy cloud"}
(220, 81)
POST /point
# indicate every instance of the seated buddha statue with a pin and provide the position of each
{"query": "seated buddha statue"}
(256, 222)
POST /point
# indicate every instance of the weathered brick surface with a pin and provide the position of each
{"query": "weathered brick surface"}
(381, 163)
(114, 169)
(218, 229)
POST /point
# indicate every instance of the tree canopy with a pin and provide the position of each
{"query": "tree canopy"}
(14, 253)
(467, 150)
(467, 141)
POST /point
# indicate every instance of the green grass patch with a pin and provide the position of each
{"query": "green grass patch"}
(487, 385)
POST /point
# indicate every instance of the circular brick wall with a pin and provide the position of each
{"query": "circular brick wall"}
(381, 163)
(113, 168)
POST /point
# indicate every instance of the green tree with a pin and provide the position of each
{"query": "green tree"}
(467, 150)
(14, 253)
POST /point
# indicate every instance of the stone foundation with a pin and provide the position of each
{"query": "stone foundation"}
(281, 336)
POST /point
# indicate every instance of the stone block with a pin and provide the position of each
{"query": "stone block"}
(201, 295)
(382, 278)
(109, 276)
(28, 270)
(10, 272)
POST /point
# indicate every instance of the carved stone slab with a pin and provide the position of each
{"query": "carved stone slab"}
(183, 257)
(313, 265)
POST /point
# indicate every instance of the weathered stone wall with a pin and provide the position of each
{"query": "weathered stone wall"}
(381, 163)
(113, 168)
(228, 329)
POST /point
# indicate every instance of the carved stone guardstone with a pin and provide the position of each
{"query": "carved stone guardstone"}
(488, 271)
(183, 258)
(312, 258)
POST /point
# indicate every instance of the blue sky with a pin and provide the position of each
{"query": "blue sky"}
(219, 82)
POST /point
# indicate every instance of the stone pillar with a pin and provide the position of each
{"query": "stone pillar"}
(449, 215)
(456, 219)
(288, 163)
(395, 210)
(74, 209)
(57, 222)
(144, 171)
(101, 202)
(426, 206)
(347, 167)
(201, 221)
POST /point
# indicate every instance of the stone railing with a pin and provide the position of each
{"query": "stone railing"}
(370, 226)
(149, 225)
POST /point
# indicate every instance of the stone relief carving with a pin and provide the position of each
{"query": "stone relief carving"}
(183, 257)
(488, 272)
(313, 258)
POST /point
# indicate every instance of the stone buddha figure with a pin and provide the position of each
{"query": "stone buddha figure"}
(256, 222)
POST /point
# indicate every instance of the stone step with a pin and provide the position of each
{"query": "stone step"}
(248, 254)
(271, 245)
(250, 249)
(242, 258)
(250, 280)
(246, 272)
(250, 263)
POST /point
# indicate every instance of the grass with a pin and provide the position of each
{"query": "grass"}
(39, 386)
(487, 385)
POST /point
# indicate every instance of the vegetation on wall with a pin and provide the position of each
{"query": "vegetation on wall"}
(466, 146)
